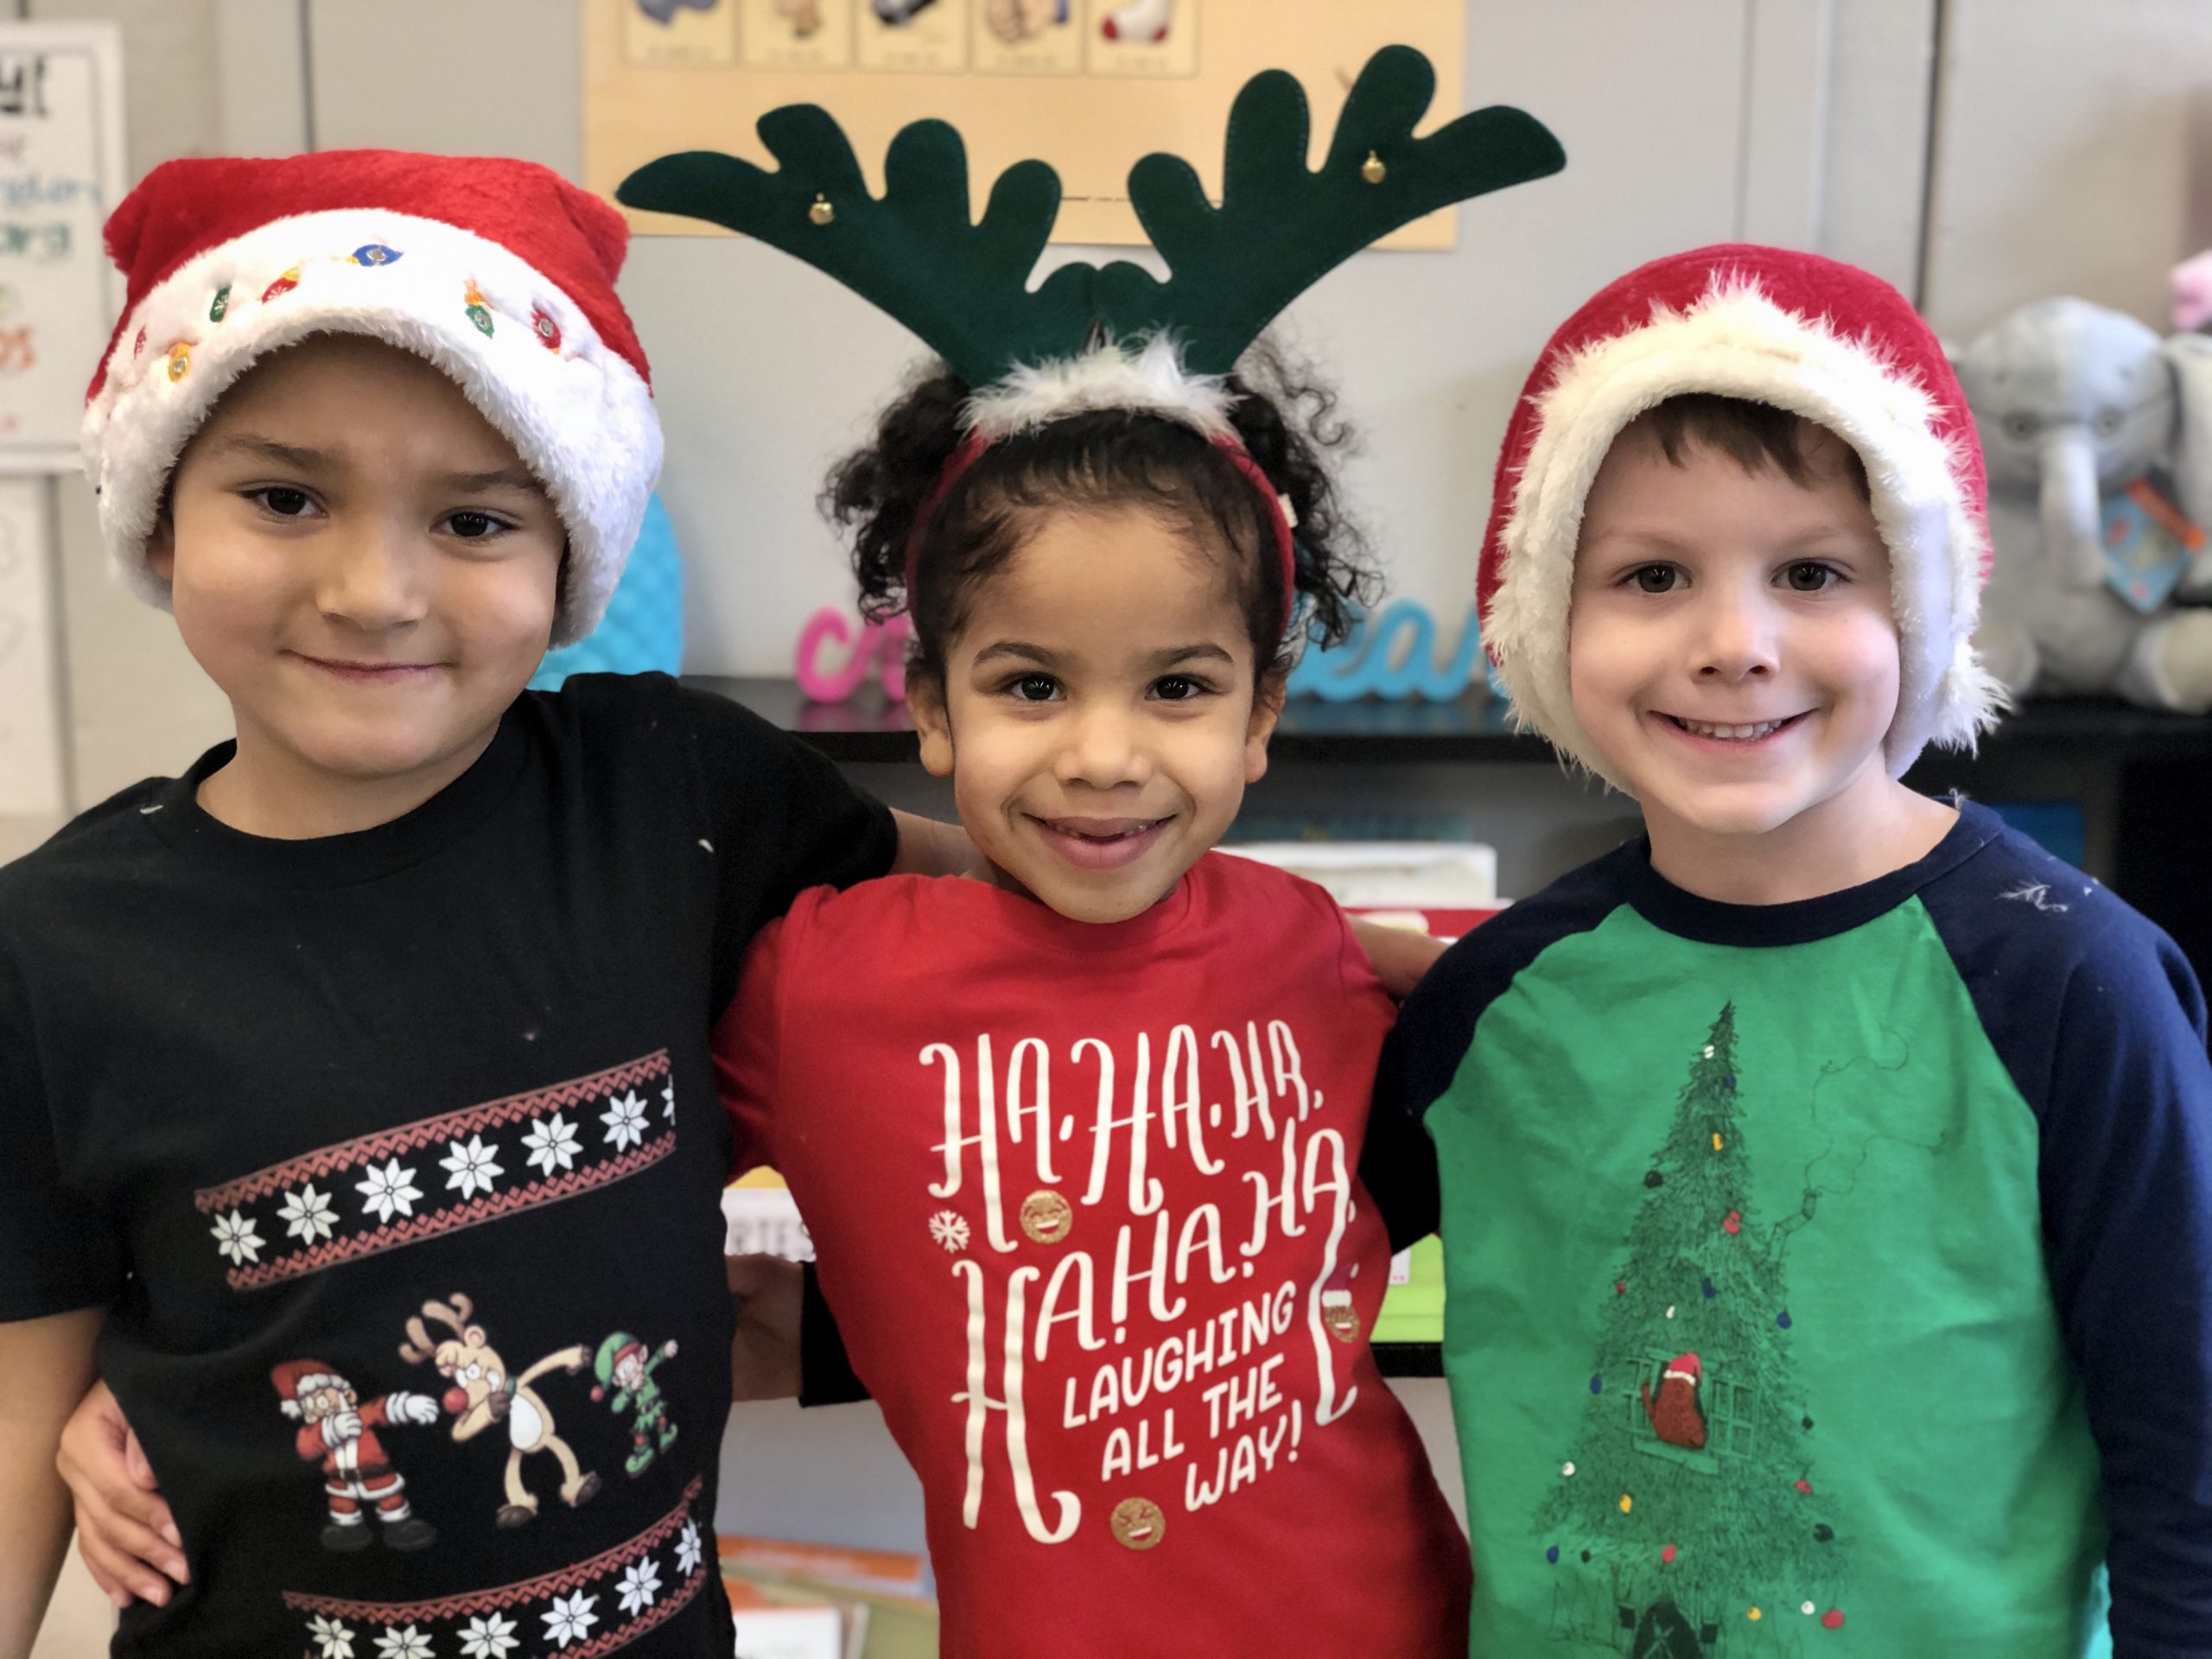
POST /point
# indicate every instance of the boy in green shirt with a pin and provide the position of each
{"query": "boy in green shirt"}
(1825, 1178)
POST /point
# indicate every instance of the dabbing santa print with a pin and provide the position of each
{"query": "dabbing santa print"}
(336, 1428)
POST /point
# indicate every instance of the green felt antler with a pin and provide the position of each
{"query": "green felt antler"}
(1281, 228)
(962, 287)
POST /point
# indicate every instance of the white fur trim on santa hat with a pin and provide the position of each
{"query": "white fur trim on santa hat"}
(1148, 378)
(1736, 342)
(575, 410)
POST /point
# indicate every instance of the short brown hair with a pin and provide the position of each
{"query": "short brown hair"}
(1752, 435)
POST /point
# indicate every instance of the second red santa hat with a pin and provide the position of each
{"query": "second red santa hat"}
(1823, 340)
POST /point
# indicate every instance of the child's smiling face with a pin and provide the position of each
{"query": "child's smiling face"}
(1101, 715)
(361, 562)
(1731, 650)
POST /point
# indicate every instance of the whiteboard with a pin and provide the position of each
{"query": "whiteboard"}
(61, 171)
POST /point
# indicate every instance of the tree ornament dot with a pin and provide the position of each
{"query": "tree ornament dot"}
(1754, 1615)
(1596, 1385)
(1552, 1555)
(1585, 1558)
(1566, 1470)
(1808, 1424)
(1654, 1178)
(1808, 1610)
(1710, 1292)
(1732, 1222)
(1708, 1050)
(1627, 1503)
(1668, 1555)
(1806, 1487)
(1671, 1312)
(1824, 1534)
(1783, 1319)
(1832, 1619)
(1718, 1143)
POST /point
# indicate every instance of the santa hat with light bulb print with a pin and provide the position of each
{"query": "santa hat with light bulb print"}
(500, 273)
(1820, 339)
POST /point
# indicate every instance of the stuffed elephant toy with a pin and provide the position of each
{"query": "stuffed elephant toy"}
(2088, 592)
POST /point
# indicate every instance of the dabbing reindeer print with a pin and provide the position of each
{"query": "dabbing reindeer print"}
(486, 1391)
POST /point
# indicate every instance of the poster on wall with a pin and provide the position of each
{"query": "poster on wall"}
(1089, 84)
(62, 169)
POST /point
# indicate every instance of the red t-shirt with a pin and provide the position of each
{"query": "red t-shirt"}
(1085, 1204)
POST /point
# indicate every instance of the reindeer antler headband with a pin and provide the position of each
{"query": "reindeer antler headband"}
(1037, 355)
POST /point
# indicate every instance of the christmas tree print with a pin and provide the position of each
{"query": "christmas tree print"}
(1686, 1519)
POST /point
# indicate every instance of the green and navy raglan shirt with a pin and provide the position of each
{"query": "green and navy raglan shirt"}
(1826, 1278)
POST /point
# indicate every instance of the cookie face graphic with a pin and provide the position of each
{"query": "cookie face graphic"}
(1341, 1317)
(1138, 1523)
(1045, 1216)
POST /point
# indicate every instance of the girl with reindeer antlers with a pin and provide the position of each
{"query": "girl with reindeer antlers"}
(1120, 1324)
(1082, 1144)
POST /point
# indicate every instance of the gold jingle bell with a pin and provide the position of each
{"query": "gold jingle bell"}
(1372, 169)
(821, 213)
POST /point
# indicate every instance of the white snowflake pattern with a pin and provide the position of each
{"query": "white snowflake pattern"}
(409, 1643)
(235, 1238)
(668, 1100)
(489, 1637)
(336, 1640)
(389, 1189)
(471, 1166)
(571, 1618)
(551, 1143)
(640, 1584)
(950, 1228)
(687, 1549)
(307, 1213)
(625, 1118)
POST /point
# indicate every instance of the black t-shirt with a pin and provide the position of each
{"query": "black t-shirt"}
(396, 1157)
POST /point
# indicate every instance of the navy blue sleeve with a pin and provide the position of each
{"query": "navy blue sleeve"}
(1422, 1054)
(2101, 1024)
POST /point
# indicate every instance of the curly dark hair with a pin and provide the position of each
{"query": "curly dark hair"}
(1287, 421)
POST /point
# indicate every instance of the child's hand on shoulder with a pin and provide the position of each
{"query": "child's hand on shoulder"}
(1399, 954)
(125, 1530)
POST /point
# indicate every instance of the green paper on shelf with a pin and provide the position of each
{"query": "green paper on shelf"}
(962, 287)
(1413, 1312)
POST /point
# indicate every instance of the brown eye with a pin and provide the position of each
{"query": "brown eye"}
(1033, 688)
(1657, 578)
(1809, 576)
(284, 503)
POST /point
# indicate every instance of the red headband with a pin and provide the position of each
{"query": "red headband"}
(972, 447)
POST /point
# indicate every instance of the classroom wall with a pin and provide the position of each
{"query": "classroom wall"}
(1977, 152)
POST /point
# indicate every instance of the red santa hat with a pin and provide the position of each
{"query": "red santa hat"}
(501, 273)
(296, 1379)
(1686, 1367)
(1820, 339)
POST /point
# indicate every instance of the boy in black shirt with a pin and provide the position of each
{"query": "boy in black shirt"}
(394, 1010)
